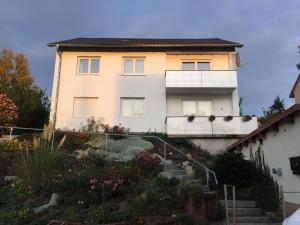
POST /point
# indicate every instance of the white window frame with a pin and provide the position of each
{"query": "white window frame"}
(89, 58)
(95, 113)
(196, 64)
(132, 98)
(197, 105)
(133, 66)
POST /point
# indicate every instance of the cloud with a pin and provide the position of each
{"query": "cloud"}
(269, 29)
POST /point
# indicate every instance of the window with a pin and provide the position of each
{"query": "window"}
(195, 65)
(132, 107)
(85, 107)
(198, 108)
(133, 66)
(89, 66)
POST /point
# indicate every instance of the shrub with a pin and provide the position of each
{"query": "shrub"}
(233, 169)
(40, 166)
(74, 140)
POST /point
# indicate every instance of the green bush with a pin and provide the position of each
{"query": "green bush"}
(252, 179)
(233, 169)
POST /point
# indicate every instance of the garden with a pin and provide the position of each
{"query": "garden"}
(83, 178)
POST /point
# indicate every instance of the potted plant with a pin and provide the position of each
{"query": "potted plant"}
(211, 118)
(246, 118)
(228, 118)
(191, 118)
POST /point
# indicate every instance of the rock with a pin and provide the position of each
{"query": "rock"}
(189, 170)
(41, 208)
(10, 178)
(54, 199)
(53, 202)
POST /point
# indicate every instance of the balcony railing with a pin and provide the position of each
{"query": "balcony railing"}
(179, 80)
(202, 126)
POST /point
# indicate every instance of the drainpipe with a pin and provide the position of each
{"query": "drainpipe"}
(57, 85)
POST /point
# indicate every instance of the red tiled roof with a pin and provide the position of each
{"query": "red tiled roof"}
(264, 128)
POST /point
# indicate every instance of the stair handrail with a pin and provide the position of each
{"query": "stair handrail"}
(207, 170)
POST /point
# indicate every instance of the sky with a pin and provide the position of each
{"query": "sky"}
(269, 29)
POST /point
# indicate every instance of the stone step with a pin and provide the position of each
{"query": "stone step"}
(240, 203)
(184, 177)
(250, 219)
(245, 212)
(176, 172)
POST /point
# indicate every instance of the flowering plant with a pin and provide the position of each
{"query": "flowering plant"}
(8, 111)
(113, 183)
(148, 159)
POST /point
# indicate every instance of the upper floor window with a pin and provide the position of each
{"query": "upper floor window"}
(132, 107)
(195, 65)
(88, 65)
(133, 66)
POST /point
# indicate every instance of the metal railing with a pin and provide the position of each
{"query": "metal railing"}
(227, 205)
(12, 132)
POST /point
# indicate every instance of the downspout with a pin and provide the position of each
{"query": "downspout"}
(57, 85)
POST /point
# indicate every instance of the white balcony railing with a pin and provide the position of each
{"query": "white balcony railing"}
(201, 126)
(212, 79)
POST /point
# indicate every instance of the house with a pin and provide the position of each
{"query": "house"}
(279, 140)
(151, 85)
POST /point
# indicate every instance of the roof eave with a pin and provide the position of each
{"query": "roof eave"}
(53, 44)
(269, 124)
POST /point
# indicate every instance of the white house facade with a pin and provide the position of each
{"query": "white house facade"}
(150, 85)
(279, 140)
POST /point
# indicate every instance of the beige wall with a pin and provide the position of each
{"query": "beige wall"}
(218, 61)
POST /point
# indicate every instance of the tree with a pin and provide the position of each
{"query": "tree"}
(18, 84)
(8, 111)
(277, 107)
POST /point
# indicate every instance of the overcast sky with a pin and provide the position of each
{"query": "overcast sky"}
(270, 30)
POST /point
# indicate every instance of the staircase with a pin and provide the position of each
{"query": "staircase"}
(247, 214)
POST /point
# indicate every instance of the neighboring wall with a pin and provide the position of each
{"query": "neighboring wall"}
(278, 147)
(297, 93)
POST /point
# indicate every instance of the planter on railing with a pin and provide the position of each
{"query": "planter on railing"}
(211, 118)
(228, 118)
(191, 118)
(247, 118)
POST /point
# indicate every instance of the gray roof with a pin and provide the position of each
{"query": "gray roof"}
(144, 42)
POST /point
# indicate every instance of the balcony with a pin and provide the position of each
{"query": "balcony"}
(212, 81)
(201, 126)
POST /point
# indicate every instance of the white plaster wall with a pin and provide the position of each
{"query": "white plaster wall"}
(278, 147)
(221, 104)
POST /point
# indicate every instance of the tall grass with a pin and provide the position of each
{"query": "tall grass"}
(41, 164)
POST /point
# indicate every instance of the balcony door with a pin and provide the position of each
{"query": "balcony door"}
(195, 65)
(197, 107)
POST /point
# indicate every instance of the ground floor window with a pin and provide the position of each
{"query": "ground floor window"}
(195, 107)
(85, 106)
(132, 107)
